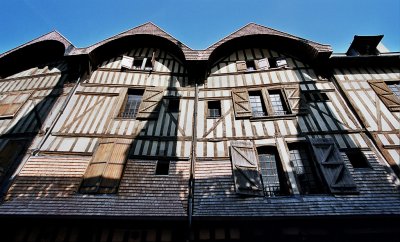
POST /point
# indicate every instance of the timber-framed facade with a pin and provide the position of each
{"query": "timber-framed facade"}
(262, 136)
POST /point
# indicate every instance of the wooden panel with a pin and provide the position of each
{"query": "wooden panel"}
(296, 99)
(385, 94)
(241, 103)
(245, 169)
(150, 105)
(241, 65)
(10, 103)
(332, 166)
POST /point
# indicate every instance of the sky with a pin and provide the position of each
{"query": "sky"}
(200, 23)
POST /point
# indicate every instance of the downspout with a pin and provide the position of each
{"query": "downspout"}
(193, 162)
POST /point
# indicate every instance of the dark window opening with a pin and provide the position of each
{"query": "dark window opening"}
(251, 66)
(162, 167)
(304, 169)
(173, 105)
(137, 64)
(257, 104)
(148, 66)
(272, 174)
(132, 103)
(316, 96)
(357, 158)
(214, 109)
(394, 87)
(277, 102)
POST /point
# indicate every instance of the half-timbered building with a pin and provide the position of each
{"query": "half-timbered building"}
(263, 136)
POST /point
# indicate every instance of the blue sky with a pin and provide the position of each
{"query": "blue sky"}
(200, 23)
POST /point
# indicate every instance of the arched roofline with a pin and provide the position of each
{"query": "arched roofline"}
(253, 35)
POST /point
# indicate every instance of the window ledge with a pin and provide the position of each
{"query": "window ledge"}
(288, 116)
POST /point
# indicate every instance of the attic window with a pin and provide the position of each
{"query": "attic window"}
(277, 62)
(251, 66)
(137, 64)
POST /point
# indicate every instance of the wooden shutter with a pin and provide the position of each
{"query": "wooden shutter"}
(386, 95)
(241, 103)
(113, 172)
(241, 65)
(10, 103)
(332, 166)
(262, 63)
(245, 169)
(127, 62)
(105, 169)
(150, 105)
(296, 99)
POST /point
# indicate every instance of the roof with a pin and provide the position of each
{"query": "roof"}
(251, 29)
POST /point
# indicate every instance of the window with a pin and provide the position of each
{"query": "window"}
(257, 104)
(148, 65)
(131, 105)
(214, 109)
(105, 170)
(277, 62)
(271, 171)
(357, 158)
(316, 96)
(137, 64)
(279, 107)
(251, 66)
(261, 103)
(395, 88)
(304, 169)
(388, 92)
(173, 105)
(162, 167)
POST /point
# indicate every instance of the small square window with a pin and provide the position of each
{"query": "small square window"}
(357, 158)
(214, 109)
(173, 105)
(162, 167)
(251, 66)
(137, 64)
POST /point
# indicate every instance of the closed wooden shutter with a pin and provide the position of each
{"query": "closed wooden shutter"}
(245, 169)
(241, 65)
(10, 103)
(241, 103)
(262, 64)
(150, 106)
(386, 95)
(296, 100)
(106, 167)
(332, 166)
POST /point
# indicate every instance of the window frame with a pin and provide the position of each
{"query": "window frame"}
(123, 102)
(208, 109)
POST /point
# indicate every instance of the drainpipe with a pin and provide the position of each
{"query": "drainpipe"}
(193, 162)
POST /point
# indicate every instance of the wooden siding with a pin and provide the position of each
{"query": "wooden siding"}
(375, 115)
(49, 184)
(215, 195)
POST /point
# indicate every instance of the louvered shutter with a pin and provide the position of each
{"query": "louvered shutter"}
(113, 172)
(332, 166)
(151, 102)
(296, 100)
(127, 62)
(386, 95)
(262, 64)
(241, 65)
(97, 166)
(241, 103)
(245, 169)
(10, 103)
